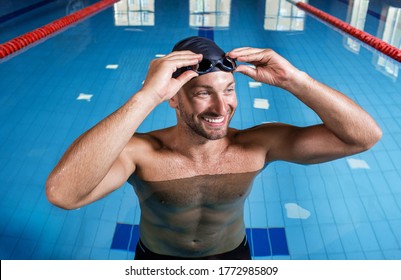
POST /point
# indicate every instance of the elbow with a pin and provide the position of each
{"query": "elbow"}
(372, 138)
(55, 195)
(375, 137)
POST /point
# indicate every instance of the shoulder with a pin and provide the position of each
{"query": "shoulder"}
(263, 134)
(154, 140)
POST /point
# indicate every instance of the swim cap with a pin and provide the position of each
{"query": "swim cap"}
(210, 51)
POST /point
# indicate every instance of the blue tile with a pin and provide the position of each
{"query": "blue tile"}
(99, 254)
(278, 241)
(296, 240)
(374, 255)
(390, 207)
(314, 241)
(258, 216)
(24, 249)
(134, 238)
(349, 238)
(394, 254)
(259, 242)
(356, 210)
(355, 256)
(373, 208)
(43, 251)
(331, 239)
(385, 236)
(87, 232)
(122, 236)
(81, 253)
(393, 179)
(7, 245)
(340, 211)
(367, 237)
(275, 215)
(62, 252)
(323, 211)
(104, 235)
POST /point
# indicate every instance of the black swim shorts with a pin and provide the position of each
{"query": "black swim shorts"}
(242, 252)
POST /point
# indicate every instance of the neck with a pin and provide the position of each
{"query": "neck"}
(198, 147)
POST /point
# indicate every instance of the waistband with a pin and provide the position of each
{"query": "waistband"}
(241, 252)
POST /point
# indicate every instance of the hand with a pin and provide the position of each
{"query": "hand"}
(271, 68)
(159, 80)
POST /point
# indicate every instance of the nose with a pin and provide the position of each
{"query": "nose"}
(220, 105)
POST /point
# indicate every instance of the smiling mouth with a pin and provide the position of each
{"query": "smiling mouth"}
(218, 120)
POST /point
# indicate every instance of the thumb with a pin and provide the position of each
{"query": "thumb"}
(186, 77)
(247, 70)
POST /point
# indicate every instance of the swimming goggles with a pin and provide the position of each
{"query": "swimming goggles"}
(205, 66)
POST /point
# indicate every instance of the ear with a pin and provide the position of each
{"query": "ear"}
(173, 102)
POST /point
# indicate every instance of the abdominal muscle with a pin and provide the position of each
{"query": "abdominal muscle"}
(193, 232)
(193, 217)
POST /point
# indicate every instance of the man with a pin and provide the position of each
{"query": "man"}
(192, 179)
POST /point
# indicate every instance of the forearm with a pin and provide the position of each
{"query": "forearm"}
(90, 157)
(342, 116)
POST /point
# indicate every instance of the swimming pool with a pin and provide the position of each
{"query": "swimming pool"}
(51, 93)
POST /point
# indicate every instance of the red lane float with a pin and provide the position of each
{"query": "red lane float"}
(367, 38)
(29, 38)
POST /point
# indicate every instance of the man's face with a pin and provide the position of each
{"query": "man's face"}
(206, 104)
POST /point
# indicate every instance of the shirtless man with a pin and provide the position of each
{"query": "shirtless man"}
(192, 179)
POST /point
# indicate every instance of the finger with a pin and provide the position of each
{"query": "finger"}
(179, 63)
(181, 55)
(247, 70)
(240, 52)
(183, 60)
(186, 77)
(253, 57)
(236, 50)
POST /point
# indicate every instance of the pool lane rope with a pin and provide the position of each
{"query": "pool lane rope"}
(23, 41)
(367, 38)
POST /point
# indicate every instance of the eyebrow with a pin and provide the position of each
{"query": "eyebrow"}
(210, 87)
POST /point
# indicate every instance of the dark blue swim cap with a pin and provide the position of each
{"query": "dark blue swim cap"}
(210, 51)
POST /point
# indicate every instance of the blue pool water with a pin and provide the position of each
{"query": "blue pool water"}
(51, 93)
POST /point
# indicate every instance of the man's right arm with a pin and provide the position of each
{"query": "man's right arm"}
(102, 159)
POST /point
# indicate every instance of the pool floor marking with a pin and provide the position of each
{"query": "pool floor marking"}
(112, 66)
(260, 103)
(262, 241)
(254, 84)
(85, 96)
(357, 163)
(294, 211)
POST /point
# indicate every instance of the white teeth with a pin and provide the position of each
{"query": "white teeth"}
(217, 120)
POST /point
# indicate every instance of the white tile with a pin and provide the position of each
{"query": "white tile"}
(357, 163)
(84, 96)
(260, 103)
(112, 66)
(254, 84)
(294, 211)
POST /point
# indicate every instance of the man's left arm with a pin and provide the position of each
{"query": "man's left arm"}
(347, 128)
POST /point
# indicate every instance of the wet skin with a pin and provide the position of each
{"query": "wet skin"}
(192, 202)
(193, 217)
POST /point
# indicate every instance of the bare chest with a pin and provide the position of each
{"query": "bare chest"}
(211, 191)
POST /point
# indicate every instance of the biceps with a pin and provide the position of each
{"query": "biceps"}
(313, 144)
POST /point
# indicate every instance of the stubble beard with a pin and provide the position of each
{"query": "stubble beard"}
(197, 128)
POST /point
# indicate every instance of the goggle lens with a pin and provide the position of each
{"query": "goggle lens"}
(205, 66)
